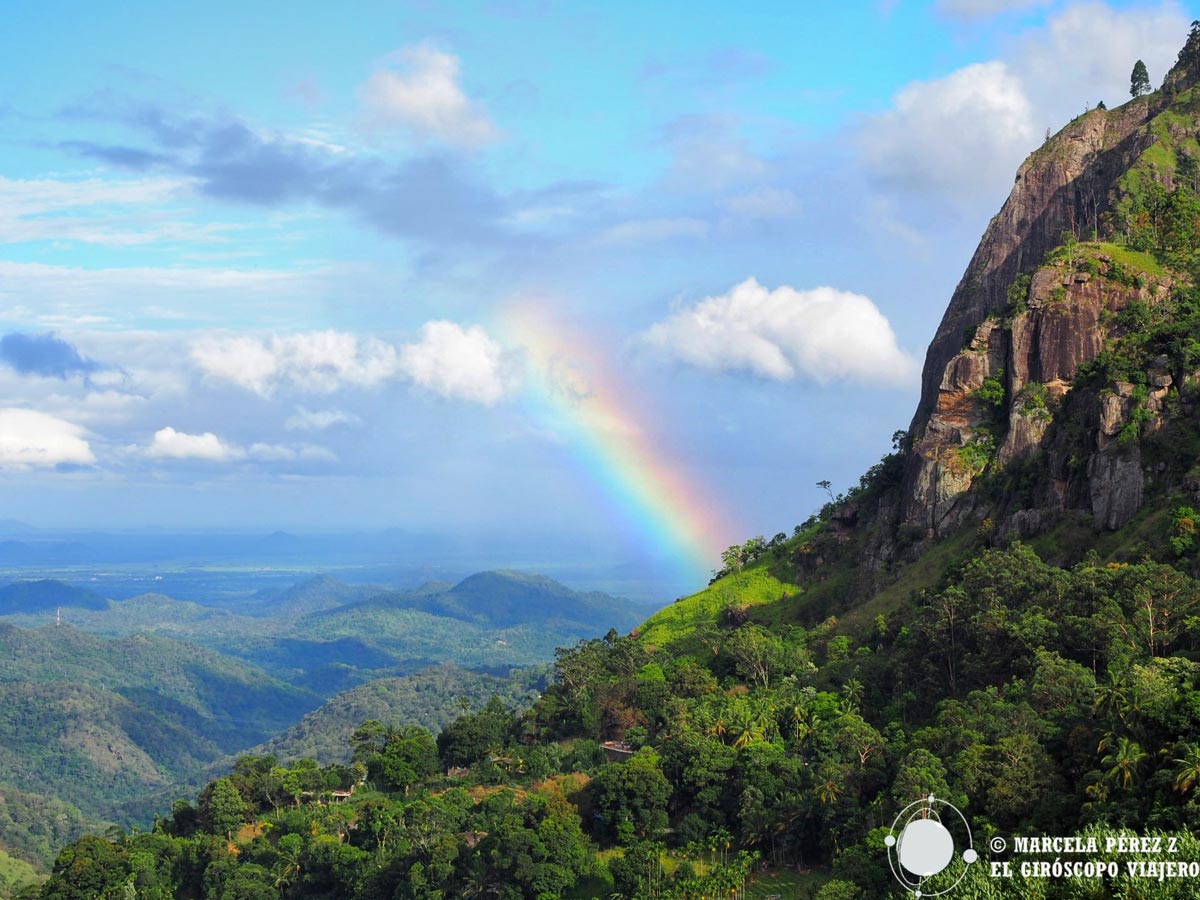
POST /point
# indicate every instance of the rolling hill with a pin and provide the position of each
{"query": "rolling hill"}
(101, 722)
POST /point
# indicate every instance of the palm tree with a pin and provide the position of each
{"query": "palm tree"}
(852, 690)
(718, 728)
(1187, 773)
(805, 723)
(829, 790)
(1112, 695)
(1123, 760)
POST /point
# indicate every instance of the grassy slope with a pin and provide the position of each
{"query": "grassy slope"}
(753, 586)
(14, 873)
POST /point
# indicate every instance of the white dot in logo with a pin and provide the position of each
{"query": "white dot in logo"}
(925, 847)
(969, 856)
(889, 841)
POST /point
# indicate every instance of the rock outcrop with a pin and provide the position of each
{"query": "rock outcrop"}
(1028, 356)
(1035, 305)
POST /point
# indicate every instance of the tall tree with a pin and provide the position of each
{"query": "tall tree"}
(222, 809)
(1139, 80)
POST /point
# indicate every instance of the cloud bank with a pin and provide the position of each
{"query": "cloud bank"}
(448, 360)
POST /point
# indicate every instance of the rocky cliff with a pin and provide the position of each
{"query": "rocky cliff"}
(1079, 255)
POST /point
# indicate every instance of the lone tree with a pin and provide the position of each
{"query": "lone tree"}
(1139, 80)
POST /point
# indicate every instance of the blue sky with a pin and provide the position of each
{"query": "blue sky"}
(256, 267)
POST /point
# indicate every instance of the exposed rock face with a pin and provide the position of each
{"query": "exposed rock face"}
(1033, 340)
(1116, 482)
(1034, 355)
(1064, 185)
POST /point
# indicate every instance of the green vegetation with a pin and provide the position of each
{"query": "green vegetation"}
(16, 875)
(1139, 80)
(109, 724)
(121, 724)
(1040, 699)
(991, 393)
(431, 698)
(35, 827)
(977, 454)
(711, 606)
(1034, 402)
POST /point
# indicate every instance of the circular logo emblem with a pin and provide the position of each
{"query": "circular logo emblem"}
(921, 843)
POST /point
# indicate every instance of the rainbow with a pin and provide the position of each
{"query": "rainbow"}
(574, 391)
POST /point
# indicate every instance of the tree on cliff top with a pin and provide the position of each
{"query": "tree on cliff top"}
(1139, 80)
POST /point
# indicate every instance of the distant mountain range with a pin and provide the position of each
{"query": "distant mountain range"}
(325, 635)
(130, 702)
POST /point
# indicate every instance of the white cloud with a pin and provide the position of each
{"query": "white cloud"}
(985, 9)
(951, 135)
(319, 419)
(245, 361)
(822, 334)
(419, 91)
(960, 138)
(652, 231)
(319, 362)
(449, 360)
(458, 363)
(1086, 52)
(29, 438)
(171, 444)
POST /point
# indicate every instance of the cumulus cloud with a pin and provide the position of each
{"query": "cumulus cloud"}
(318, 362)
(449, 360)
(319, 419)
(43, 354)
(179, 445)
(1085, 53)
(959, 138)
(458, 363)
(822, 334)
(29, 439)
(171, 444)
(419, 90)
(950, 135)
